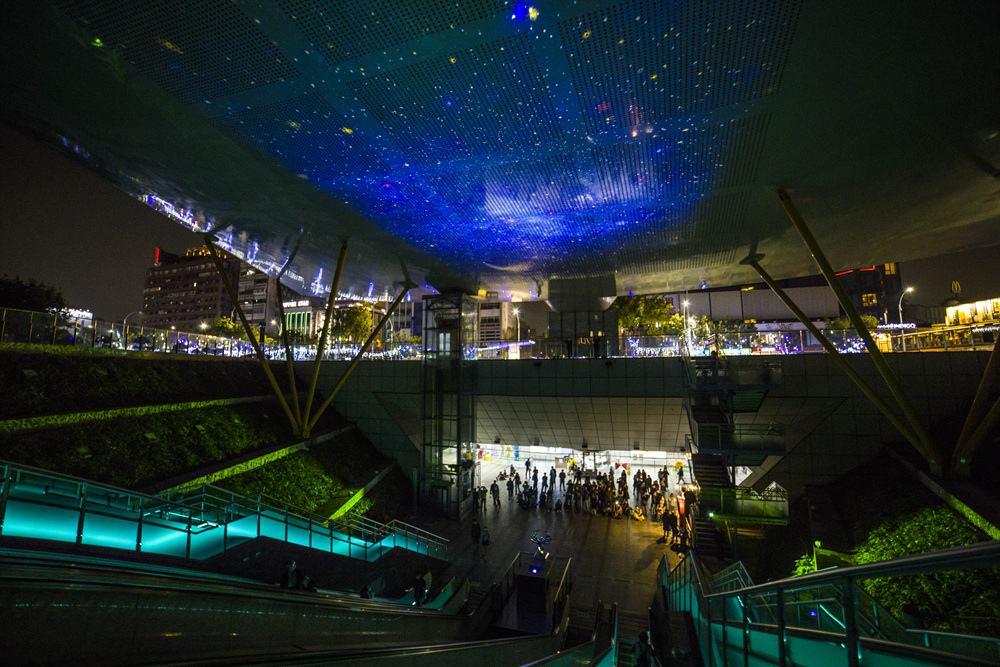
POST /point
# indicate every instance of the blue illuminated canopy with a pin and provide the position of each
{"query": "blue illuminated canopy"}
(498, 144)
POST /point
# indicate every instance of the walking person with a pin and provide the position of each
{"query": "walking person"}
(642, 652)
(485, 540)
(510, 489)
(477, 534)
(419, 588)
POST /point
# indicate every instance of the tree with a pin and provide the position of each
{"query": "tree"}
(845, 323)
(643, 314)
(17, 294)
(352, 324)
(401, 338)
(227, 328)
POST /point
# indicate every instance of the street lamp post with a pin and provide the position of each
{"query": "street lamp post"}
(517, 317)
(125, 327)
(902, 335)
(687, 331)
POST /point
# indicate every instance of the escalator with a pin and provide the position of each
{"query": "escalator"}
(60, 608)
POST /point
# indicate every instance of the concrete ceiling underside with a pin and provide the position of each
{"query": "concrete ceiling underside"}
(492, 144)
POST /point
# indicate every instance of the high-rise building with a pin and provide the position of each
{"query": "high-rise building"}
(186, 291)
(258, 296)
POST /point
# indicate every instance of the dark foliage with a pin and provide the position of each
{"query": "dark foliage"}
(31, 295)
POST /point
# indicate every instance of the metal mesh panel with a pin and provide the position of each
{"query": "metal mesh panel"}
(306, 135)
(530, 187)
(195, 50)
(346, 29)
(473, 102)
(639, 62)
(685, 163)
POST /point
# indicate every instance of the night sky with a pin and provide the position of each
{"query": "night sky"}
(66, 226)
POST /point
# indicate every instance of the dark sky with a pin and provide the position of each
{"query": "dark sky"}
(66, 226)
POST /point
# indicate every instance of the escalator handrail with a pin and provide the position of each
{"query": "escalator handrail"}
(55, 565)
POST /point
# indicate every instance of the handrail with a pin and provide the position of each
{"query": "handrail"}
(205, 507)
(861, 623)
(734, 573)
(971, 555)
(713, 436)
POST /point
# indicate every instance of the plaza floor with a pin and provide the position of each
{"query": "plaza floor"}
(613, 560)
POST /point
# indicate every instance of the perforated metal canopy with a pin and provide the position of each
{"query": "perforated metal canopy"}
(496, 144)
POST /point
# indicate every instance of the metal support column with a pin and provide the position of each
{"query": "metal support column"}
(835, 354)
(978, 412)
(780, 613)
(880, 363)
(850, 623)
(214, 253)
(321, 346)
(407, 286)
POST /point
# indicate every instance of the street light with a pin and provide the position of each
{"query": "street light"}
(687, 333)
(125, 326)
(902, 336)
(517, 316)
(905, 292)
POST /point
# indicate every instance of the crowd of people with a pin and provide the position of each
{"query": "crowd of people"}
(606, 494)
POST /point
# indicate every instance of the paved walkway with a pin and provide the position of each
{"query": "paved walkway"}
(613, 560)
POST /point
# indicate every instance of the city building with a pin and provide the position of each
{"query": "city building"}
(874, 290)
(258, 296)
(571, 153)
(185, 291)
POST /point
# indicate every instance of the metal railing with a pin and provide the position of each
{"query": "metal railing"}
(711, 436)
(196, 522)
(823, 617)
(48, 328)
(731, 578)
(732, 371)
(740, 502)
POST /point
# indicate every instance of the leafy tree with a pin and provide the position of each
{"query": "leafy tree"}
(963, 601)
(845, 323)
(31, 295)
(228, 328)
(401, 338)
(640, 314)
(351, 324)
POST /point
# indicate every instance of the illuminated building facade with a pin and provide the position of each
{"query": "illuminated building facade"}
(258, 296)
(874, 290)
(185, 292)
(977, 312)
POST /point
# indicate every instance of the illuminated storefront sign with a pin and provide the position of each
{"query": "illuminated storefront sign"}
(978, 312)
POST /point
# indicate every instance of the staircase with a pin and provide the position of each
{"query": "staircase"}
(710, 470)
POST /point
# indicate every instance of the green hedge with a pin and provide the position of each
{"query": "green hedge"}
(53, 382)
(135, 451)
(966, 601)
(296, 479)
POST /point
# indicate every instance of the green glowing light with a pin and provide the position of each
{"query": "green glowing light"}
(97, 42)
